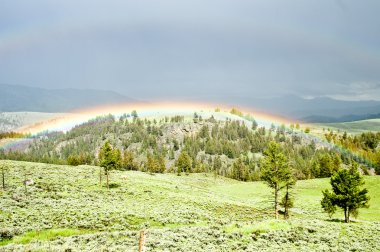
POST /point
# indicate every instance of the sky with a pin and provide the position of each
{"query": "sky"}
(162, 49)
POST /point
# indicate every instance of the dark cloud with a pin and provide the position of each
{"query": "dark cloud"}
(159, 49)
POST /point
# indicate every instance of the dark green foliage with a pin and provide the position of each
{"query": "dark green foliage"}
(237, 112)
(254, 124)
(177, 119)
(287, 201)
(240, 170)
(217, 164)
(325, 165)
(377, 162)
(155, 164)
(361, 148)
(204, 132)
(84, 158)
(128, 162)
(109, 159)
(183, 163)
(370, 140)
(167, 137)
(346, 193)
(13, 135)
(134, 114)
(275, 170)
(327, 203)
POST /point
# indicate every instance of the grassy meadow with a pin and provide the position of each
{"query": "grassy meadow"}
(355, 127)
(67, 210)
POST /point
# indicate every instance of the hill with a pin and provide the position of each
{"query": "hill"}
(11, 121)
(318, 109)
(354, 127)
(15, 98)
(230, 146)
(66, 209)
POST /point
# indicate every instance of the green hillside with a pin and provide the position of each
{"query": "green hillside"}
(352, 127)
(66, 209)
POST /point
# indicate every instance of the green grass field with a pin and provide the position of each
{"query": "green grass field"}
(350, 127)
(67, 209)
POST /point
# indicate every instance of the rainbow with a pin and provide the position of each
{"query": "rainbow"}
(145, 110)
(151, 111)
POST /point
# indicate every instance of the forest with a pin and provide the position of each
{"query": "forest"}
(229, 148)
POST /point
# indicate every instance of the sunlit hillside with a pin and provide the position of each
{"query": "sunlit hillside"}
(67, 209)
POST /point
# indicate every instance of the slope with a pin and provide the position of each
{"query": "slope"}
(67, 209)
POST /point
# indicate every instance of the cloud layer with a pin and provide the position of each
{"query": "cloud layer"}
(182, 49)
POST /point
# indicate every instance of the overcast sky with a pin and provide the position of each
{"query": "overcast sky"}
(157, 49)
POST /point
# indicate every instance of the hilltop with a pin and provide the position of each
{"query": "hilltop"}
(229, 144)
(66, 209)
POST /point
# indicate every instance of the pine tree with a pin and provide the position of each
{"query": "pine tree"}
(287, 201)
(183, 163)
(254, 124)
(275, 171)
(346, 193)
(240, 170)
(110, 159)
(128, 161)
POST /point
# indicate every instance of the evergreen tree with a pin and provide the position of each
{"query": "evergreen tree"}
(134, 114)
(254, 124)
(128, 162)
(155, 164)
(217, 165)
(377, 162)
(183, 163)
(346, 193)
(275, 171)
(240, 170)
(287, 201)
(325, 165)
(161, 164)
(110, 159)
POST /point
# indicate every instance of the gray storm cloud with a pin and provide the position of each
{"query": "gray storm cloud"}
(160, 49)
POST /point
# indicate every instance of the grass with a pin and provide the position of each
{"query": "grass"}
(43, 235)
(260, 227)
(180, 211)
(350, 127)
(309, 194)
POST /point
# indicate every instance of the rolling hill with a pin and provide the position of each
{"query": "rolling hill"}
(353, 127)
(66, 209)
(318, 109)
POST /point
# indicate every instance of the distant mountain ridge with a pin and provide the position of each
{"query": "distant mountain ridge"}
(321, 109)
(346, 118)
(22, 98)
